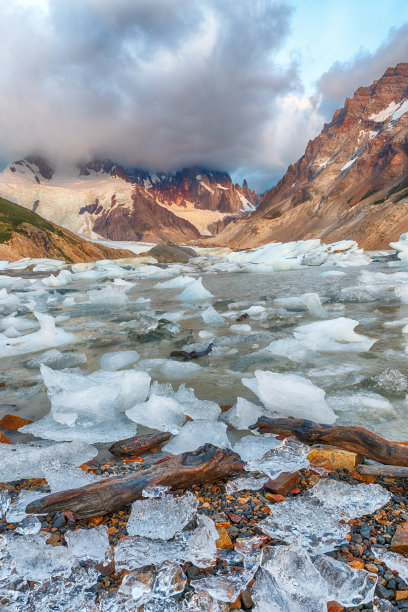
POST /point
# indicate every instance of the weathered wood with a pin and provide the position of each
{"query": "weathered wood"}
(138, 444)
(355, 439)
(187, 356)
(390, 471)
(207, 464)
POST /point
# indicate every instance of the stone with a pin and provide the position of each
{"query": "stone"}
(333, 606)
(356, 564)
(167, 252)
(399, 542)
(334, 458)
(4, 439)
(223, 541)
(401, 595)
(11, 422)
(246, 599)
(284, 483)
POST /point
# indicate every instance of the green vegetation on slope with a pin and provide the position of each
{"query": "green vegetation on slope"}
(12, 217)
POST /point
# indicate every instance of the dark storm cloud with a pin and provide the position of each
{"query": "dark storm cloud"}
(155, 83)
(344, 78)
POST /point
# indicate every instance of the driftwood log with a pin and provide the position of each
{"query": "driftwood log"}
(189, 355)
(389, 471)
(138, 444)
(206, 464)
(355, 439)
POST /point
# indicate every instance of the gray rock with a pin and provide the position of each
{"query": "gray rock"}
(167, 252)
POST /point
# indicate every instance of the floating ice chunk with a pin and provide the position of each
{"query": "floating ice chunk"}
(289, 582)
(363, 404)
(57, 360)
(255, 311)
(63, 278)
(29, 526)
(196, 433)
(240, 328)
(396, 562)
(195, 292)
(178, 282)
(254, 447)
(211, 317)
(291, 395)
(112, 296)
(314, 305)
(63, 475)
(161, 518)
(35, 560)
(194, 407)
(402, 293)
(332, 273)
(242, 414)
(242, 484)
(118, 360)
(391, 380)
(289, 456)
(179, 369)
(88, 407)
(226, 585)
(292, 349)
(46, 337)
(197, 546)
(159, 412)
(333, 335)
(19, 323)
(16, 512)
(347, 586)
(88, 544)
(8, 302)
(25, 461)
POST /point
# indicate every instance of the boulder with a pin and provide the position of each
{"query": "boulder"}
(168, 252)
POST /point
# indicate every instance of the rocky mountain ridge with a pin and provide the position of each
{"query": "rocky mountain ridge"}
(351, 182)
(124, 203)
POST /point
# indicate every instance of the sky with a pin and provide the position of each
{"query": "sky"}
(235, 85)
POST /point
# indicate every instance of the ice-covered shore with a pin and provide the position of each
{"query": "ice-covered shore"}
(312, 330)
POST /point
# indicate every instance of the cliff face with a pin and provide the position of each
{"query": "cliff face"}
(23, 233)
(124, 203)
(351, 182)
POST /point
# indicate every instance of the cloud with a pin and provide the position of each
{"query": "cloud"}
(342, 79)
(154, 83)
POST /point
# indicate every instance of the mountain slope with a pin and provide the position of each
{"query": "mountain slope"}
(127, 203)
(24, 233)
(351, 182)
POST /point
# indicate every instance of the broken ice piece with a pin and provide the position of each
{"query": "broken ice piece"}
(226, 585)
(29, 526)
(254, 447)
(382, 605)
(16, 512)
(5, 501)
(194, 292)
(118, 360)
(62, 476)
(197, 546)
(88, 544)
(196, 433)
(201, 602)
(242, 414)
(291, 395)
(161, 518)
(154, 491)
(350, 500)
(242, 484)
(36, 560)
(289, 582)
(395, 561)
(289, 456)
(347, 586)
(170, 580)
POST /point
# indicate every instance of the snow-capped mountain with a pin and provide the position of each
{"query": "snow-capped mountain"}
(123, 203)
(351, 182)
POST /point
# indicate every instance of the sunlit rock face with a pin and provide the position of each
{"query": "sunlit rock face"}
(351, 181)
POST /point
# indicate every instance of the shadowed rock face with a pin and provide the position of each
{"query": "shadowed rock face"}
(351, 182)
